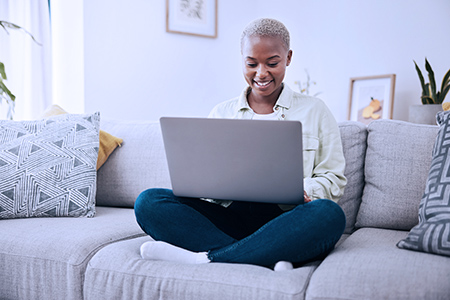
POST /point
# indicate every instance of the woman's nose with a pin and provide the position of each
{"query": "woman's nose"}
(262, 71)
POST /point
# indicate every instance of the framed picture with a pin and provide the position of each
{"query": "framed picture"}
(194, 17)
(371, 98)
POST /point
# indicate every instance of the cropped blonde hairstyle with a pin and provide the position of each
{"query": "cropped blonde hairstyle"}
(267, 27)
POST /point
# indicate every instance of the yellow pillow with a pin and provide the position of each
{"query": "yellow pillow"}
(108, 142)
(446, 106)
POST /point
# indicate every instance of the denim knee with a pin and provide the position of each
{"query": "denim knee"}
(333, 213)
(147, 204)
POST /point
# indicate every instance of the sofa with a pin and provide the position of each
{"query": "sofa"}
(387, 164)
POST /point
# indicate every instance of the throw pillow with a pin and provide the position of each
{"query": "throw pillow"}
(395, 173)
(48, 167)
(432, 234)
(108, 142)
(354, 137)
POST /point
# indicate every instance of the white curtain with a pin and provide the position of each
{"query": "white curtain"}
(28, 65)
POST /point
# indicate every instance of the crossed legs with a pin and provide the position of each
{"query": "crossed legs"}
(252, 233)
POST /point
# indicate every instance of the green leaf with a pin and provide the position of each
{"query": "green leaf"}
(2, 71)
(432, 80)
(422, 80)
(444, 93)
(445, 86)
(445, 83)
(426, 96)
(427, 100)
(1, 24)
(5, 90)
(426, 90)
(10, 25)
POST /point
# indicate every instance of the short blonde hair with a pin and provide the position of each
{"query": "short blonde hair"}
(267, 27)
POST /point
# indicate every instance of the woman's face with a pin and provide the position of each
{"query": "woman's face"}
(264, 64)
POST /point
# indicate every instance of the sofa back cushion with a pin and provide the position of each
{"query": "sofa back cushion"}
(353, 136)
(136, 166)
(397, 161)
(141, 164)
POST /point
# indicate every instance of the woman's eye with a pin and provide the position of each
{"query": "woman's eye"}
(273, 65)
(251, 65)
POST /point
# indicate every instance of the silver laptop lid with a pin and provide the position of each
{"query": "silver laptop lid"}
(231, 159)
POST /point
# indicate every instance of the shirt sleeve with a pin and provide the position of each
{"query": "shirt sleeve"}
(327, 180)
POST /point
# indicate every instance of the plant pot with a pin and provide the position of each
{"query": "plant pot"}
(424, 113)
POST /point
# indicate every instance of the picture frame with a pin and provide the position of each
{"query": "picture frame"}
(192, 17)
(371, 98)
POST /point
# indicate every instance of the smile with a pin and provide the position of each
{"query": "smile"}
(262, 84)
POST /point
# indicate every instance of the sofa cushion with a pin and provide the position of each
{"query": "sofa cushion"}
(398, 158)
(354, 137)
(118, 272)
(368, 265)
(46, 258)
(432, 234)
(140, 164)
(48, 167)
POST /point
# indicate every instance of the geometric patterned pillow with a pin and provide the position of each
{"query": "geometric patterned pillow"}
(108, 142)
(432, 234)
(48, 167)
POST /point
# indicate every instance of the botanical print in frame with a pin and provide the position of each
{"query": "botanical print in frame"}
(371, 98)
(194, 17)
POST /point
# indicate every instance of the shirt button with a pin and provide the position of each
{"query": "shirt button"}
(277, 108)
(283, 116)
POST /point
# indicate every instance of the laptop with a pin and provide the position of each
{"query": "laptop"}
(234, 159)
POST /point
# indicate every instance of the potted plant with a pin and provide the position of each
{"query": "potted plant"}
(5, 93)
(432, 98)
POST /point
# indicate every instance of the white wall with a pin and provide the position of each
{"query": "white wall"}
(135, 70)
(68, 54)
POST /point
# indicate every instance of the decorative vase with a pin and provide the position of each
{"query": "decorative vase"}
(424, 113)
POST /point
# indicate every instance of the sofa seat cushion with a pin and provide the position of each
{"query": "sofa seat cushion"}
(118, 272)
(45, 258)
(368, 265)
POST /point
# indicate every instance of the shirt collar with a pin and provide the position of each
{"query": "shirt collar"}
(284, 100)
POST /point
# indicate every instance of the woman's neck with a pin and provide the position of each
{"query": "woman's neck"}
(263, 104)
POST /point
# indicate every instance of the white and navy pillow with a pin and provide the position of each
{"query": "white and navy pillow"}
(432, 234)
(48, 167)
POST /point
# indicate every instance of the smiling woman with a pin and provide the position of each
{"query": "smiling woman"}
(264, 66)
(266, 234)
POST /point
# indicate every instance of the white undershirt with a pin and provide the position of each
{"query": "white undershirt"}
(272, 116)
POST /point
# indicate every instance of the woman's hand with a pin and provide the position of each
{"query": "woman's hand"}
(307, 198)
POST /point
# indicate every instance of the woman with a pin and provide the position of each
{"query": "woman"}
(198, 231)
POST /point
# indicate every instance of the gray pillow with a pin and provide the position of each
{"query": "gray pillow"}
(432, 234)
(354, 136)
(48, 167)
(398, 158)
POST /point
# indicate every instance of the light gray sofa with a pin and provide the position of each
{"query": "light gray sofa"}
(98, 258)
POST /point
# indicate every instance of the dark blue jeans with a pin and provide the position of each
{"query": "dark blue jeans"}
(245, 232)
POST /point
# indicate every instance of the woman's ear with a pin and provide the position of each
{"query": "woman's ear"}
(289, 57)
